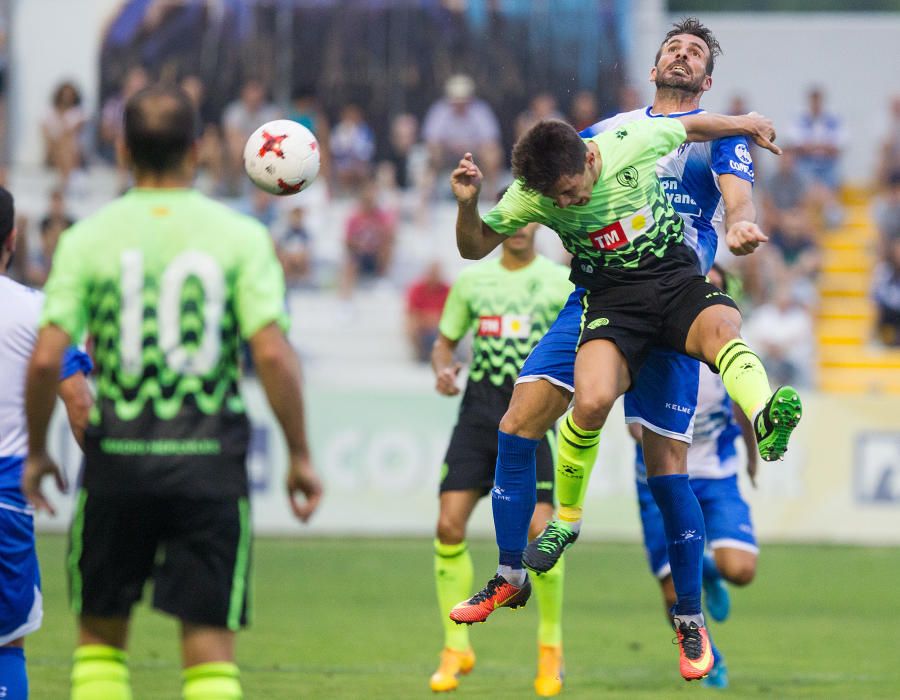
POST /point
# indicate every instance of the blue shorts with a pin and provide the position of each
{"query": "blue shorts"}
(21, 605)
(725, 512)
(663, 397)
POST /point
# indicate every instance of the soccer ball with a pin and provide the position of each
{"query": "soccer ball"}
(282, 157)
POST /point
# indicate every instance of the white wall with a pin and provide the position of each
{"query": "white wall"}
(51, 40)
(772, 59)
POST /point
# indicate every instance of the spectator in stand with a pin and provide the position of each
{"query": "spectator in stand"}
(293, 245)
(886, 212)
(542, 106)
(209, 143)
(63, 129)
(819, 138)
(424, 303)
(404, 153)
(460, 123)
(55, 221)
(240, 119)
(306, 110)
(352, 149)
(113, 111)
(737, 105)
(795, 254)
(369, 241)
(889, 162)
(782, 332)
(886, 293)
(583, 111)
(262, 207)
(784, 190)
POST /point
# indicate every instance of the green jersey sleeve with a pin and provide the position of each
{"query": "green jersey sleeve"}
(260, 286)
(515, 209)
(644, 139)
(65, 303)
(456, 317)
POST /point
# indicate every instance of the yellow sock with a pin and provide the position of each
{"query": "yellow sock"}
(548, 588)
(218, 680)
(453, 575)
(576, 453)
(744, 376)
(99, 673)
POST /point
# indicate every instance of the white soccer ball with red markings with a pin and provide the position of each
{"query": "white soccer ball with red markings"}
(282, 157)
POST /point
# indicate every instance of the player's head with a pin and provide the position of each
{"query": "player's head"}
(686, 58)
(160, 128)
(7, 229)
(552, 159)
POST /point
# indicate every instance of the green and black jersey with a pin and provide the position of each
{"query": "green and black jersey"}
(167, 283)
(508, 311)
(629, 224)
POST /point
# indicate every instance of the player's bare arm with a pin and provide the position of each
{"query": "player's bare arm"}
(707, 127)
(279, 372)
(474, 238)
(749, 436)
(40, 397)
(742, 235)
(446, 368)
(77, 398)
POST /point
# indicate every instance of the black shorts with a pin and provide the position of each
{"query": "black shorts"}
(647, 312)
(472, 459)
(196, 551)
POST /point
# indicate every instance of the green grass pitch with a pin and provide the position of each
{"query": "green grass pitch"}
(357, 618)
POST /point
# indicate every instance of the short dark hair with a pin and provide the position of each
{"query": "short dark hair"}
(7, 214)
(546, 152)
(160, 126)
(693, 26)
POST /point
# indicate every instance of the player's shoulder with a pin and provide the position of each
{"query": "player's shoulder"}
(21, 304)
(614, 121)
(479, 270)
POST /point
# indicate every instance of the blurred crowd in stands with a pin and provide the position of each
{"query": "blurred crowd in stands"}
(390, 176)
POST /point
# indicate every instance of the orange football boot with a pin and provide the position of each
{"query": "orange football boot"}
(453, 664)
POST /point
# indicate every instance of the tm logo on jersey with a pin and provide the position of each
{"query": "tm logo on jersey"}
(516, 326)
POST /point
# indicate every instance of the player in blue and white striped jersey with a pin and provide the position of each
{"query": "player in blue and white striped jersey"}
(20, 583)
(713, 462)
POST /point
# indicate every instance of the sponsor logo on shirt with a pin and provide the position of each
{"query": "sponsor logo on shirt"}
(620, 233)
(516, 326)
(680, 200)
(740, 167)
(743, 153)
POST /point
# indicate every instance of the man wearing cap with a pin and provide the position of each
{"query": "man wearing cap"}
(460, 122)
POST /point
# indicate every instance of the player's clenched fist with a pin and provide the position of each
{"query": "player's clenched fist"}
(744, 237)
(445, 380)
(465, 180)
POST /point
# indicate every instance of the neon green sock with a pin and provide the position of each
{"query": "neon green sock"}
(576, 453)
(744, 376)
(99, 673)
(219, 680)
(548, 588)
(453, 575)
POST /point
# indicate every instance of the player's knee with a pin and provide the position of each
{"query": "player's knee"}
(523, 425)
(450, 530)
(740, 574)
(591, 410)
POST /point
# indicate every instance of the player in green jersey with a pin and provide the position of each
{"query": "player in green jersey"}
(507, 303)
(604, 199)
(168, 283)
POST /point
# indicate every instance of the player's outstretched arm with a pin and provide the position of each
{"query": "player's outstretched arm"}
(742, 235)
(474, 238)
(708, 127)
(446, 369)
(41, 384)
(279, 372)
